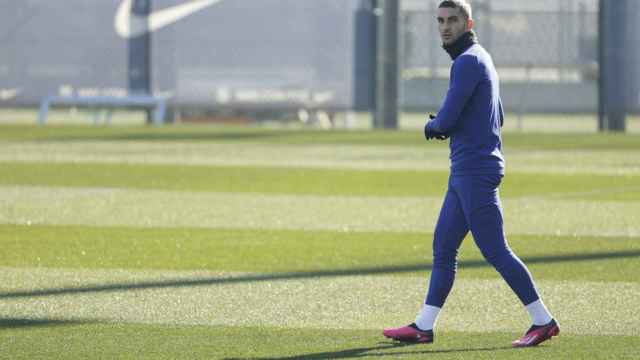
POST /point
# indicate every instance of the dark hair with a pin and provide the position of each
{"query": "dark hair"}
(463, 5)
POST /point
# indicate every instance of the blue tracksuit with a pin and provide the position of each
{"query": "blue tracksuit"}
(472, 115)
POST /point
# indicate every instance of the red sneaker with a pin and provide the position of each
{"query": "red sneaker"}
(537, 334)
(410, 333)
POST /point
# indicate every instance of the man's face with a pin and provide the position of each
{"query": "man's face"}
(452, 24)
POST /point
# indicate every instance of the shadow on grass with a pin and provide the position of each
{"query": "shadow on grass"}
(195, 134)
(396, 269)
(375, 351)
(185, 136)
(296, 136)
(208, 134)
(17, 323)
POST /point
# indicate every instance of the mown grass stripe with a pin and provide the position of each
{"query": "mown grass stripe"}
(180, 153)
(523, 140)
(307, 181)
(362, 302)
(284, 254)
(365, 157)
(170, 282)
(153, 208)
(262, 180)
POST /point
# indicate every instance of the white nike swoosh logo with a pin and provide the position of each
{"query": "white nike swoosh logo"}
(128, 25)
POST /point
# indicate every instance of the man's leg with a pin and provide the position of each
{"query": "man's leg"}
(450, 231)
(481, 202)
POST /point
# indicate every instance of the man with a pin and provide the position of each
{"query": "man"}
(472, 117)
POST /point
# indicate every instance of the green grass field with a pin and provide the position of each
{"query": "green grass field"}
(252, 243)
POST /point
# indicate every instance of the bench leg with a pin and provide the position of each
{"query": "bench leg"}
(44, 112)
(159, 113)
(107, 116)
(96, 116)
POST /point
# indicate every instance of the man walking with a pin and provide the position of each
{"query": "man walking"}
(472, 116)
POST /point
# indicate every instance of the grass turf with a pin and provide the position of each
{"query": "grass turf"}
(316, 253)
(61, 339)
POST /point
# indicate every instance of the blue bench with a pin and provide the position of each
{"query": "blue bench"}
(157, 104)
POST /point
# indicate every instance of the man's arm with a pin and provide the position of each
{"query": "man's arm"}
(429, 133)
(464, 78)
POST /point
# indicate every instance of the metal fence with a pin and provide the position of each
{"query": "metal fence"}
(225, 53)
(296, 52)
(50, 47)
(545, 51)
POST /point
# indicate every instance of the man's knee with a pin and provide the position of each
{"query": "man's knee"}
(500, 258)
(445, 260)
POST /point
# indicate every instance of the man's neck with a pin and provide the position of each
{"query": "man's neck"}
(461, 44)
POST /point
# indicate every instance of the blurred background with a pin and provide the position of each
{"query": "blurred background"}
(312, 63)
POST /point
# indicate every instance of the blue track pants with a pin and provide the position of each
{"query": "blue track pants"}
(473, 204)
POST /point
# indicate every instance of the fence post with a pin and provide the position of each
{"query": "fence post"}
(614, 81)
(139, 55)
(387, 64)
(433, 45)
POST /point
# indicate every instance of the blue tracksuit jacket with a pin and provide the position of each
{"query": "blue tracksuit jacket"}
(472, 115)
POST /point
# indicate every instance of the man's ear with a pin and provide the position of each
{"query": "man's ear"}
(470, 24)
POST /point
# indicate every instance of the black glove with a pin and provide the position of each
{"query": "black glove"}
(429, 133)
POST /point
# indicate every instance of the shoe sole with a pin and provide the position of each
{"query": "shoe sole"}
(418, 340)
(550, 334)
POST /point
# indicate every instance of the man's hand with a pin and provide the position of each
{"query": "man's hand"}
(430, 133)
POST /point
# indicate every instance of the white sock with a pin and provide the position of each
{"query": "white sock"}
(428, 316)
(539, 313)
